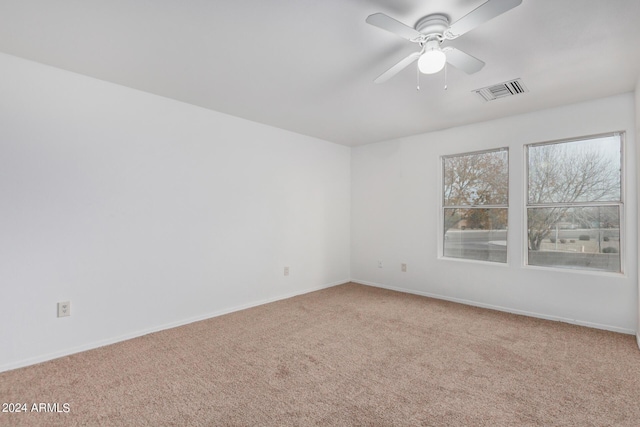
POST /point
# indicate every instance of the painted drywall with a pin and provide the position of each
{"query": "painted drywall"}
(146, 213)
(395, 205)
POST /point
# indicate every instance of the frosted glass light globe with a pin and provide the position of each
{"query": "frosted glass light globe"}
(432, 61)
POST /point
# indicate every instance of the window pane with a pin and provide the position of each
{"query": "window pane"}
(576, 171)
(476, 234)
(476, 179)
(578, 237)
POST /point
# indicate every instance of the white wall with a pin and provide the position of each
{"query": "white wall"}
(396, 195)
(145, 212)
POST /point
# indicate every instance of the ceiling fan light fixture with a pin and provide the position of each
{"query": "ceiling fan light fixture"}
(433, 59)
(433, 29)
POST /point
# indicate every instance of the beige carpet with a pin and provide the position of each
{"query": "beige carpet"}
(348, 355)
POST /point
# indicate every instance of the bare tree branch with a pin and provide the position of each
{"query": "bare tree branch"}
(567, 173)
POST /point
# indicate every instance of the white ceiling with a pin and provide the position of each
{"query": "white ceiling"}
(308, 65)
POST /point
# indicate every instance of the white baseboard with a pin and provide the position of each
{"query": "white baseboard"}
(505, 309)
(638, 339)
(113, 340)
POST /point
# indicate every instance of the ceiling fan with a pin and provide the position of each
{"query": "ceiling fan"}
(432, 30)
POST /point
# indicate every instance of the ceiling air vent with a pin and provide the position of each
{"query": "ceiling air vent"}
(502, 90)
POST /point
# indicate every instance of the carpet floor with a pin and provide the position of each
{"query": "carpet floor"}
(350, 355)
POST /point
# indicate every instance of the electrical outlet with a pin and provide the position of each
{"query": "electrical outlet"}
(64, 309)
(286, 271)
(379, 264)
(403, 267)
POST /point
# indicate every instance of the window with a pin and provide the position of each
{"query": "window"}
(574, 203)
(475, 205)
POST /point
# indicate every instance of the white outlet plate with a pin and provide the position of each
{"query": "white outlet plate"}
(286, 271)
(64, 309)
(403, 267)
(379, 264)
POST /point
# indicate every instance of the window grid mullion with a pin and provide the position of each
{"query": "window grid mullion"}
(573, 205)
(475, 206)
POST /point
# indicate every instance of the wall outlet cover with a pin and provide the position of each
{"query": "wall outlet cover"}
(64, 309)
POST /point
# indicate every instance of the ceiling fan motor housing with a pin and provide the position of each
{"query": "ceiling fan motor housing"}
(433, 25)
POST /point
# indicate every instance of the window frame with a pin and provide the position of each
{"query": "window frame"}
(620, 204)
(444, 206)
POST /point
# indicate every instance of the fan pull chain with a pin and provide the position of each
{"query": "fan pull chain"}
(445, 76)
(417, 78)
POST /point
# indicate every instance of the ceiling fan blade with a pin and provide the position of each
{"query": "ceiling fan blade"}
(385, 22)
(398, 67)
(480, 15)
(463, 61)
